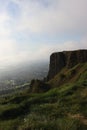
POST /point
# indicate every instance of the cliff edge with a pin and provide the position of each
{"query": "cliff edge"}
(68, 59)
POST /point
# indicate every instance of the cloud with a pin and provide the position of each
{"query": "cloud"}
(59, 16)
(22, 19)
(45, 50)
(3, 19)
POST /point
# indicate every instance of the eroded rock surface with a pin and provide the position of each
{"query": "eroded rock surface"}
(68, 59)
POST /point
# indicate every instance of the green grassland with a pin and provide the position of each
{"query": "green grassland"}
(63, 107)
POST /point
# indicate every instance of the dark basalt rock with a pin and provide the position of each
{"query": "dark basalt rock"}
(57, 62)
(68, 59)
(38, 86)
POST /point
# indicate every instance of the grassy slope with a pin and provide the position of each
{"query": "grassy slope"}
(61, 108)
(77, 73)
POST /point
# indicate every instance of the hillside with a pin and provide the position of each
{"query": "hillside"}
(75, 74)
(67, 59)
(57, 104)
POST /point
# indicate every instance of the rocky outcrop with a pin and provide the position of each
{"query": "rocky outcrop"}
(68, 59)
(38, 86)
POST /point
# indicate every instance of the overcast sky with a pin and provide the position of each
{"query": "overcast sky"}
(33, 29)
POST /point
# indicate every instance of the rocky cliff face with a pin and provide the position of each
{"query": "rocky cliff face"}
(67, 59)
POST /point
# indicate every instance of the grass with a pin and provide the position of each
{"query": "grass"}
(56, 109)
(77, 73)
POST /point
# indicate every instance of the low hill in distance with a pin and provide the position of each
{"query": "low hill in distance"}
(57, 103)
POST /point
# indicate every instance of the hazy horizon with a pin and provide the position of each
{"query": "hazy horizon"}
(30, 30)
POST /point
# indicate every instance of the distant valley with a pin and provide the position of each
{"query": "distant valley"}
(18, 75)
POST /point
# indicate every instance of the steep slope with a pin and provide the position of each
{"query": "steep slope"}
(63, 107)
(66, 59)
(72, 75)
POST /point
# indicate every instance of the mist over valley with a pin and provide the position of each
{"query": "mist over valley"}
(14, 76)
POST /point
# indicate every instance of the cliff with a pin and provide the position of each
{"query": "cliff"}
(68, 59)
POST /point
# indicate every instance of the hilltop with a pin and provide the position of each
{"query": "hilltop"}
(67, 59)
(57, 103)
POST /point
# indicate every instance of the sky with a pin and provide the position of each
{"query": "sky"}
(30, 30)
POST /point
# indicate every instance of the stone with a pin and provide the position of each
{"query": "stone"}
(69, 59)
